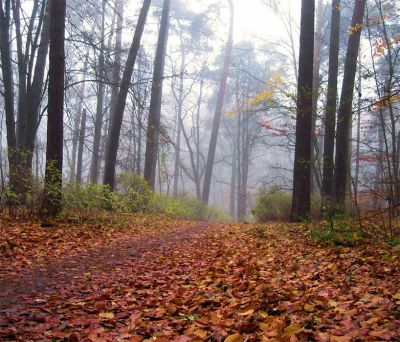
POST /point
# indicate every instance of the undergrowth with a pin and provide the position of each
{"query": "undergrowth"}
(338, 230)
(94, 202)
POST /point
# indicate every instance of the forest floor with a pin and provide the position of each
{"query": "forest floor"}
(143, 278)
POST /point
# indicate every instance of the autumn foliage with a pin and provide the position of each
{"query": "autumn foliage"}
(148, 278)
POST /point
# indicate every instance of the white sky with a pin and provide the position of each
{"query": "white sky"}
(253, 18)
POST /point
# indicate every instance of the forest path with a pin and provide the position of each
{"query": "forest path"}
(197, 281)
(43, 280)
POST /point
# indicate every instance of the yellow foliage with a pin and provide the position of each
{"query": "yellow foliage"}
(266, 95)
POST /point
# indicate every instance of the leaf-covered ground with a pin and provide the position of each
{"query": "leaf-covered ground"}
(168, 280)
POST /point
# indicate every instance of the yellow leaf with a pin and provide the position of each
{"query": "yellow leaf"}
(246, 313)
(234, 338)
(201, 333)
(292, 330)
(264, 96)
(309, 308)
(397, 296)
(263, 314)
(340, 338)
(266, 339)
(332, 303)
(106, 314)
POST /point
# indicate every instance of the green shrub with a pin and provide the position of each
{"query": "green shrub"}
(88, 201)
(134, 192)
(337, 229)
(85, 201)
(185, 207)
(272, 205)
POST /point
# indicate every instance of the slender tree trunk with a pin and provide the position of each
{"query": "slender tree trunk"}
(195, 177)
(177, 158)
(379, 170)
(116, 75)
(116, 122)
(179, 124)
(139, 142)
(77, 124)
(22, 73)
(98, 124)
(218, 111)
(8, 84)
(245, 166)
(301, 202)
(358, 142)
(153, 125)
(232, 209)
(35, 91)
(82, 133)
(54, 151)
(315, 157)
(342, 164)
(331, 103)
(239, 164)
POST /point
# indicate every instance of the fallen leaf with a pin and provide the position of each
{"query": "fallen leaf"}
(234, 338)
(309, 308)
(292, 330)
(108, 315)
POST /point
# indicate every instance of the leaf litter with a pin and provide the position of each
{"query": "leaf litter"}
(168, 280)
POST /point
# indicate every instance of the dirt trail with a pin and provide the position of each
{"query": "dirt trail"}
(42, 281)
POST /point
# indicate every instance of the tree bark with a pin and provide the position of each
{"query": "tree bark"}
(331, 103)
(342, 166)
(232, 208)
(116, 118)
(8, 84)
(153, 126)
(315, 156)
(116, 75)
(301, 202)
(82, 133)
(77, 124)
(179, 123)
(98, 123)
(54, 150)
(358, 142)
(218, 111)
(35, 90)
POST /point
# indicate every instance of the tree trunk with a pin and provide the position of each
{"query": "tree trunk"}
(116, 75)
(153, 125)
(138, 163)
(218, 111)
(179, 123)
(301, 202)
(54, 150)
(77, 124)
(232, 209)
(82, 133)
(315, 157)
(331, 103)
(358, 142)
(8, 84)
(116, 118)
(245, 166)
(35, 91)
(239, 162)
(342, 165)
(98, 123)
